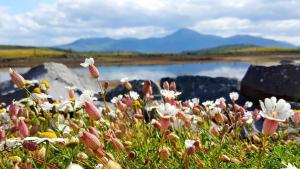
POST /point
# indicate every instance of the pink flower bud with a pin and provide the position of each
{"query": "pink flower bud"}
(17, 78)
(24, 132)
(71, 93)
(2, 135)
(121, 106)
(270, 127)
(94, 131)
(165, 122)
(166, 85)
(155, 124)
(173, 86)
(116, 144)
(94, 71)
(296, 118)
(91, 141)
(147, 89)
(92, 111)
(222, 104)
(13, 109)
(219, 118)
(214, 131)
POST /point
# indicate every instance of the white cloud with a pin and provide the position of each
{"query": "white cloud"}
(67, 20)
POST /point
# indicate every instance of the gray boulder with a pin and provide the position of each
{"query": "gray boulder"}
(58, 76)
(282, 81)
(203, 87)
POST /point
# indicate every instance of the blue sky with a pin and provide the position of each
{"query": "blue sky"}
(53, 22)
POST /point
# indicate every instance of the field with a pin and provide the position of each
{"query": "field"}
(135, 131)
(29, 56)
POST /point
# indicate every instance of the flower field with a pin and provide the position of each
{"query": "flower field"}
(136, 131)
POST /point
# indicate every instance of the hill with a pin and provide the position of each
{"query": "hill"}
(179, 41)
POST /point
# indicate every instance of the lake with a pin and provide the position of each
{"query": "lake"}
(155, 72)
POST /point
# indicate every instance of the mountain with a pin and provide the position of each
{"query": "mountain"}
(181, 40)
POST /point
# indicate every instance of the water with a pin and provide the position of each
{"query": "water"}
(155, 72)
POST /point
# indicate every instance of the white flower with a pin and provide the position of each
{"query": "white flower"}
(248, 117)
(273, 110)
(64, 128)
(46, 106)
(124, 79)
(169, 93)
(196, 101)
(234, 96)
(116, 99)
(214, 110)
(41, 96)
(40, 140)
(290, 166)
(219, 100)
(134, 95)
(189, 143)
(99, 166)
(87, 95)
(74, 166)
(167, 110)
(248, 104)
(88, 62)
(70, 87)
(66, 106)
(208, 104)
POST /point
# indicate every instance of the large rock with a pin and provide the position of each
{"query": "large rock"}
(282, 81)
(136, 86)
(203, 87)
(58, 76)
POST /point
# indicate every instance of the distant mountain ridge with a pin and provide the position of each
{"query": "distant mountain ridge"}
(179, 41)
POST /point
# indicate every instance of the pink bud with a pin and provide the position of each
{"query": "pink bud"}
(296, 118)
(2, 135)
(147, 89)
(121, 106)
(166, 85)
(219, 118)
(24, 132)
(17, 78)
(214, 131)
(92, 130)
(165, 122)
(173, 86)
(13, 109)
(92, 111)
(236, 107)
(156, 124)
(91, 141)
(94, 71)
(222, 104)
(71, 93)
(270, 127)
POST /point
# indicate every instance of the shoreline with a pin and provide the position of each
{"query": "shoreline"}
(182, 59)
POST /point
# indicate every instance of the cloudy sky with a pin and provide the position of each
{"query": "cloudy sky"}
(52, 22)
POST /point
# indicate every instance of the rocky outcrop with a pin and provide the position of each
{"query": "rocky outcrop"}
(58, 76)
(203, 87)
(282, 81)
(137, 86)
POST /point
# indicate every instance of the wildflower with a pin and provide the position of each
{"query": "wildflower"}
(65, 129)
(173, 86)
(82, 156)
(89, 62)
(116, 99)
(234, 96)
(164, 153)
(112, 165)
(91, 141)
(289, 166)
(47, 134)
(208, 104)
(46, 106)
(86, 96)
(274, 112)
(16, 78)
(127, 85)
(13, 109)
(170, 94)
(134, 95)
(23, 129)
(92, 111)
(247, 117)
(221, 102)
(189, 147)
(147, 89)
(166, 85)
(71, 91)
(167, 110)
(74, 166)
(248, 104)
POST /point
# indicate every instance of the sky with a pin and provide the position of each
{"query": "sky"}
(54, 22)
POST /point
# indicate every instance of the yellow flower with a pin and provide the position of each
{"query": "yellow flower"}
(2, 110)
(37, 90)
(46, 83)
(47, 134)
